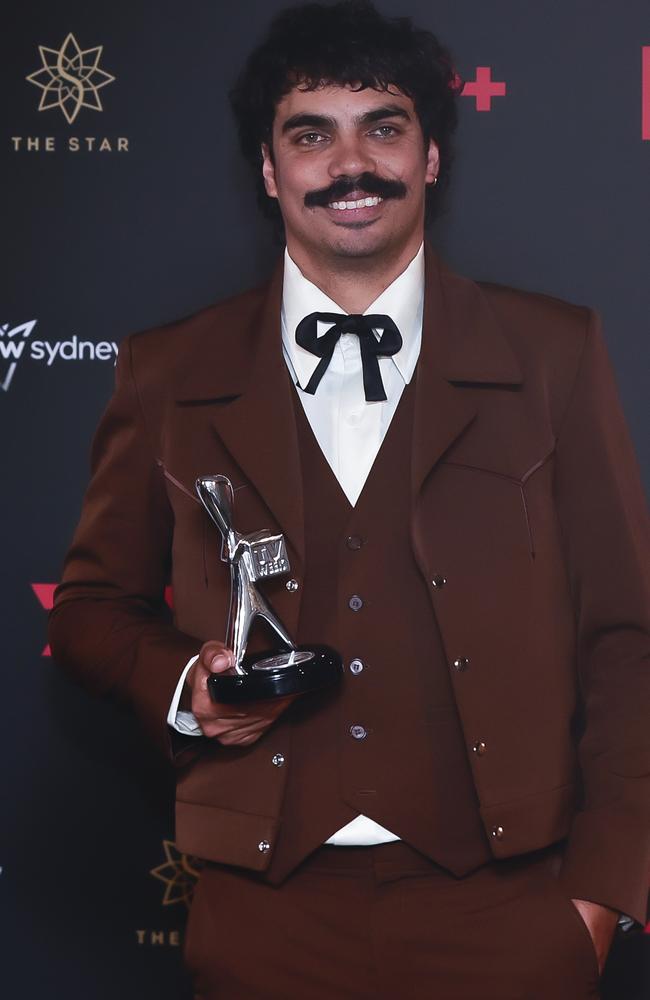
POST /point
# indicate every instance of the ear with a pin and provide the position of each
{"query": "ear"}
(433, 162)
(268, 171)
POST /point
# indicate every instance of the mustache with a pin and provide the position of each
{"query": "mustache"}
(368, 183)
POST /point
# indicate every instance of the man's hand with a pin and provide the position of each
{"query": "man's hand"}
(601, 924)
(232, 725)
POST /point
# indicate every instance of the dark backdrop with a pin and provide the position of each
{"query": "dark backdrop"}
(550, 193)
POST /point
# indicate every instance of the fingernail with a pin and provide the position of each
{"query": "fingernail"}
(219, 662)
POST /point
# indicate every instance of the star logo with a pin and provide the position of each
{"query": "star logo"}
(70, 78)
(179, 874)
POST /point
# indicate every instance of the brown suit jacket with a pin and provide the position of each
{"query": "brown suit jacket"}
(525, 495)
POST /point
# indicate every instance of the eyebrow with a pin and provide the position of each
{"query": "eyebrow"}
(310, 120)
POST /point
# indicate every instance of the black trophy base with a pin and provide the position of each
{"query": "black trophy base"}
(276, 675)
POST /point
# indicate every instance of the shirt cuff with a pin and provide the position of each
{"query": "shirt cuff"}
(183, 722)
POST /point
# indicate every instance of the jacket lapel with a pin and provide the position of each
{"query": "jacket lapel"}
(462, 344)
(253, 412)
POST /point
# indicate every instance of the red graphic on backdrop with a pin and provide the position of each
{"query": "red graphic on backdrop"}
(645, 92)
(45, 594)
(484, 88)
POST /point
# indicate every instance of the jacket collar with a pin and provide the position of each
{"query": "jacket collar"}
(462, 344)
(462, 338)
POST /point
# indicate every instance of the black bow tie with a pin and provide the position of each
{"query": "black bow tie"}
(371, 348)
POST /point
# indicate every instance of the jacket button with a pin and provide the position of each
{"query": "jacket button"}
(439, 581)
(354, 542)
(462, 663)
(355, 603)
(479, 748)
(358, 732)
(291, 585)
(356, 666)
(264, 847)
(497, 832)
(277, 759)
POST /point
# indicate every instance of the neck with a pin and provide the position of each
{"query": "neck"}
(352, 282)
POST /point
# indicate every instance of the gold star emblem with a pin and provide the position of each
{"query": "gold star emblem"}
(179, 873)
(70, 78)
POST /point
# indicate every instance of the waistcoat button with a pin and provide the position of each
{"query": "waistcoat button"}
(358, 732)
(355, 603)
(439, 581)
(479, 748)
(497, 832)
(354, 542)
(356, 666)
(264, 847)
(291, 585)
(278, 759)
(461, 663)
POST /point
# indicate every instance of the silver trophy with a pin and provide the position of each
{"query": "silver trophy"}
(254, 558)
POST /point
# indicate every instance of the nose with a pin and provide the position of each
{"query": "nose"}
(349, 158)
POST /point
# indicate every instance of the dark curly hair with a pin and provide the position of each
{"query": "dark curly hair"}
(346, 43)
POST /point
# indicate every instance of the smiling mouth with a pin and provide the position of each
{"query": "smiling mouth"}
(352, 204)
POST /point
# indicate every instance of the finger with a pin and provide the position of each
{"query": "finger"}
(200, 674)
(241, 726)
(232, 731)
(270, 708)
(221, 662)
(215, 657)
(227, 720)
(239, 739)
(221, 717)
(225, 723)
(242, 742)
(204, 711)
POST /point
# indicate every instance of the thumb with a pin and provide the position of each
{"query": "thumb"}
(216, 658)
(221, 661)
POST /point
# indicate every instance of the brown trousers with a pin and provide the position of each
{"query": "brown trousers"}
(370, 923)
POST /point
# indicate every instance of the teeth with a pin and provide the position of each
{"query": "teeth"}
(361, 203)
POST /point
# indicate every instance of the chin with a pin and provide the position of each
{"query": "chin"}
(362, 243)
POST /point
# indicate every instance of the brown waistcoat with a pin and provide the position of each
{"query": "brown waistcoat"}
(388, 742)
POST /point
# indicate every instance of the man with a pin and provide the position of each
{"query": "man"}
(466, 814)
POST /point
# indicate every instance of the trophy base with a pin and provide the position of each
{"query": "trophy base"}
(276, 675)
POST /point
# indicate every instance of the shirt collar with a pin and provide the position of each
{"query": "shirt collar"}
(403, 301)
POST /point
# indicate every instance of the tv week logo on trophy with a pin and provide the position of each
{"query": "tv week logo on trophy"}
(16, 346)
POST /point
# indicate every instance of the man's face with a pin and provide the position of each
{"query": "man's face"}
(335, 147)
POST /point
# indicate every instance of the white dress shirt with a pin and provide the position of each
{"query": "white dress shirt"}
(348, 429)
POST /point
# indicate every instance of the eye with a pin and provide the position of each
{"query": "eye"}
(310, 139)
(385, 131)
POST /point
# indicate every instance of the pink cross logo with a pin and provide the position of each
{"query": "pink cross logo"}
(484, 88)
(45, 594)
(645, 92)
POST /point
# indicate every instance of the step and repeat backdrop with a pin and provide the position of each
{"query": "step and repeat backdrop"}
(125, 205)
